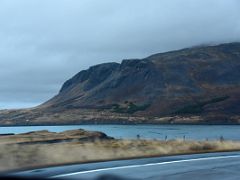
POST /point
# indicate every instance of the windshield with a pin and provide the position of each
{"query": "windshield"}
(123, 88)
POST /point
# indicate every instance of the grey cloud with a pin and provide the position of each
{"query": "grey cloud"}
(43, 43)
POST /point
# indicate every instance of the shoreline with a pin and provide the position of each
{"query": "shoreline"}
(46, 149)
(124, 124)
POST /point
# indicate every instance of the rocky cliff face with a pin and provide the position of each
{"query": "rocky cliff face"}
(165, 82)
(200, 81)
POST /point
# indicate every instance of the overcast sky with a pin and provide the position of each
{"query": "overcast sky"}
(45, 42)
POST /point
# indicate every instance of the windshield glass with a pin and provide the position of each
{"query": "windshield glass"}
(118, 87)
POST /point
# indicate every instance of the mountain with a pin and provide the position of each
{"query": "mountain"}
(193, 85)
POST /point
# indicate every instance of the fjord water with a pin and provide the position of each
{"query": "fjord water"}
(197, 132)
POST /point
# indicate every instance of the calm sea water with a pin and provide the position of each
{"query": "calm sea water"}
(199, 132)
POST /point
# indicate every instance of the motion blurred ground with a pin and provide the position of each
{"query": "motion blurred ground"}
(43, 148)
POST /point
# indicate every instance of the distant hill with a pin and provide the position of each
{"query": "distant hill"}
(193, 85)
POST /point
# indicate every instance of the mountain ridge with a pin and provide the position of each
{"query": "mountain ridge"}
(201, 82)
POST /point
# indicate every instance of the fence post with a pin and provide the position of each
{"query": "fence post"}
(138, 136)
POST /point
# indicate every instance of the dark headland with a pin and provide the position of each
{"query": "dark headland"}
(199, 85)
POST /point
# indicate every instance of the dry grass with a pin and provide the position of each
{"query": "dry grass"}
(18, 156)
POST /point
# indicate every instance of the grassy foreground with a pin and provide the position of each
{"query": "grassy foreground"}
(27, 153)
